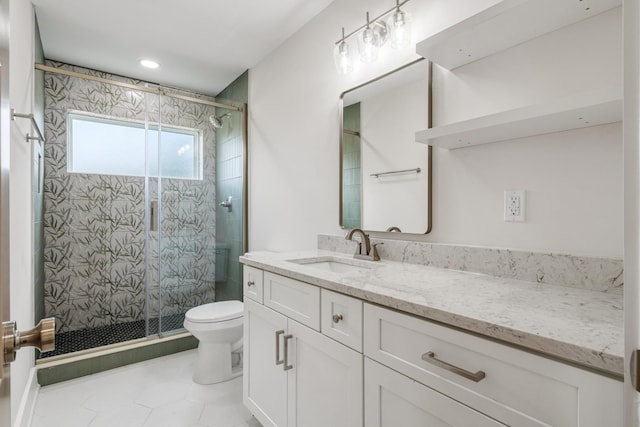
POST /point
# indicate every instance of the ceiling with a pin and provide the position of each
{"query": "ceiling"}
(201, 45)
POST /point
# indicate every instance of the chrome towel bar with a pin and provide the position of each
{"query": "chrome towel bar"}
(416, 170)
(40, 136)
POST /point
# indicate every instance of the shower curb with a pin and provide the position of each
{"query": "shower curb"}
(74, 367)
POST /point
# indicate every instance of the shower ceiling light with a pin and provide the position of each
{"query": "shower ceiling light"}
(149, 63)
(373, 35)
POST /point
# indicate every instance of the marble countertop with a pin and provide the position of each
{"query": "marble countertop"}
(579, 326)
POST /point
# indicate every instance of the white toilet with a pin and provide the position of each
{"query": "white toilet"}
(218, 327)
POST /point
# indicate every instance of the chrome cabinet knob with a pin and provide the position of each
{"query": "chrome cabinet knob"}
(337, 318)
(42, 336)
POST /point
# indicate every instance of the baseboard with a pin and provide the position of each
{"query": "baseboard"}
(28, 401)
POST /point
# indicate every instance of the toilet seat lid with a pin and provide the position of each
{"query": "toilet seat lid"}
(216, 312)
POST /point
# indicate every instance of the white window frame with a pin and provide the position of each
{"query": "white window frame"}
(140, 124)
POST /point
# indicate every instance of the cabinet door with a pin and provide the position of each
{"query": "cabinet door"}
(325, 381)
(391, 399)
(264, 381)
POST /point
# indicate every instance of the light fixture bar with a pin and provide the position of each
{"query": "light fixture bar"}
(384, 14)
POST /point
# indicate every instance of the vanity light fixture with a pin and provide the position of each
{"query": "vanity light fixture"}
(373, 35)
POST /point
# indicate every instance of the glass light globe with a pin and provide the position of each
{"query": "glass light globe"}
(368, 46)
(343, 58)
(400, 27)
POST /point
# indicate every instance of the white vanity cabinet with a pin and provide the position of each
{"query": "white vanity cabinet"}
(314, 357)
(294, 375)
(508, 385)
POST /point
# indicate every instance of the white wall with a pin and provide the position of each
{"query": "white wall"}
(387, 143)
(21, 222)
(573, 179)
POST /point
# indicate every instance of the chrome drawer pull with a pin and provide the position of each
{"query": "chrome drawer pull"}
(250, 283)
(337, 318)
(278, 333)
(430, 357)
(286, 352)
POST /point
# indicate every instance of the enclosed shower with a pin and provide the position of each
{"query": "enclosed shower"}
(143, 205)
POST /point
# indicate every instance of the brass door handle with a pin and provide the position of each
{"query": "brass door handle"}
(42, 336)
(430, 357)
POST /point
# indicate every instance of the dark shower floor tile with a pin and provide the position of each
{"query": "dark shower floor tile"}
(84, 339)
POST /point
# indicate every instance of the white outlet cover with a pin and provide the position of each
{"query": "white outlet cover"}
(514, 204)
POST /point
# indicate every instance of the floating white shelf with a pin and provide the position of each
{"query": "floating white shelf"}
(504, 25)
(575, 112)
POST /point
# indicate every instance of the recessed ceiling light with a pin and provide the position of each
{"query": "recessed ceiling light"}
(149, 63)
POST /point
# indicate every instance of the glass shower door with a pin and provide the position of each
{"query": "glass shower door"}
(187, 209)
(152, 217)
(133, 228)
(96, 199)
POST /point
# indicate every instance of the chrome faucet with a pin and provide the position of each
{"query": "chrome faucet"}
(370, 251)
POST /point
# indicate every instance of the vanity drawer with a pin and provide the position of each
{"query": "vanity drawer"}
(518, 388)
(341, 318)
(253, 283)
(296, 300)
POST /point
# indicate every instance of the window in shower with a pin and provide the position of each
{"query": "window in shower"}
(113, 146)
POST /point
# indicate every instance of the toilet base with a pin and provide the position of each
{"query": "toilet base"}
(213, 364)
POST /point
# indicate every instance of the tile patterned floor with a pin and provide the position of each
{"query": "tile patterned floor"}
(155, 393)
(84, 339)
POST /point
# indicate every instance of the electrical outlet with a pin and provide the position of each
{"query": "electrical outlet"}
(514, 205)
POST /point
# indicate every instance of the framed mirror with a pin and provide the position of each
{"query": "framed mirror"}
(385, 176)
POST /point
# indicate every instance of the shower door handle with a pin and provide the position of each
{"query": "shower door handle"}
(154, 215)
(42, 336)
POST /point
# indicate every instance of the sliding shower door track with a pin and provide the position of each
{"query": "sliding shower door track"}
(156, 91)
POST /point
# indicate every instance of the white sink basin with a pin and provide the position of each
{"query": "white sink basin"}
(335, 264)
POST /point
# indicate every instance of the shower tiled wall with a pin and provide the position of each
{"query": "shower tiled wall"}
(101, 267)
(229, 163)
